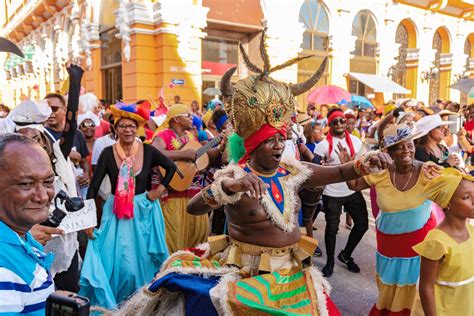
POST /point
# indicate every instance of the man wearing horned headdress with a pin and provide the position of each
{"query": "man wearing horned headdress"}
(264, 265)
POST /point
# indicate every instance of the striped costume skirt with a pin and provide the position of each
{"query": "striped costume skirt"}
(397, 264)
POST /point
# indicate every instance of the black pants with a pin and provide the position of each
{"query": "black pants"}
(69, 280)
(356, 207)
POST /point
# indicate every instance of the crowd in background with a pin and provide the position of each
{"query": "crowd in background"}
(124, 156)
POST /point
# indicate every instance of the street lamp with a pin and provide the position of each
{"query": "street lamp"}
(461, 76)
(429, 74)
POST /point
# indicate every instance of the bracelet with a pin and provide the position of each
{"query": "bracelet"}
(358, 167)
(208, 197)
(220, 196)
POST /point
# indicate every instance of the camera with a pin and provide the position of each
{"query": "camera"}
(71, 204)
(64, 303)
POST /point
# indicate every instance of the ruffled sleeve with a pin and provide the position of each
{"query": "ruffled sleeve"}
(433, 247)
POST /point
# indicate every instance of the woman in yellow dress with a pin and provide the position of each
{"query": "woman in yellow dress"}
(447, 254)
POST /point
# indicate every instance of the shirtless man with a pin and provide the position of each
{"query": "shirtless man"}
(247, 219)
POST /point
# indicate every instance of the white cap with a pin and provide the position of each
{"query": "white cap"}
(88, 116)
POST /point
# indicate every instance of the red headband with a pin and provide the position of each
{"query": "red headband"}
(335, 115)
(262, 134)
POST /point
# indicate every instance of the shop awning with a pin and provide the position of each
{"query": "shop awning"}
(379, 83)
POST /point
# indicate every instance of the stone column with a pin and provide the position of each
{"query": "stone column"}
(284, 35)
(458, 63)
(92, 79)
(135, 24)
(425, 61)
(341, 46)
(178, 38)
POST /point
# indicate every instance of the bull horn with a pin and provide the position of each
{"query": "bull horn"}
(300, 88)
(226, 86)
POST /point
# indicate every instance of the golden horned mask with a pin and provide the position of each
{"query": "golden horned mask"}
(259, 99)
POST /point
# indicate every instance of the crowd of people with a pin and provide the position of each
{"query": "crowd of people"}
(207, 204)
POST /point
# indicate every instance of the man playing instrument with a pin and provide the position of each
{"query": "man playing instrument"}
(182, 229)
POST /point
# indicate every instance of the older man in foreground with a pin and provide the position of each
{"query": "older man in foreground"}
(26, 191)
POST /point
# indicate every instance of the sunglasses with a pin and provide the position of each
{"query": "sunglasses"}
(54, 109)
(184, 115)
(338, 121)
(131, 127)
(87, 124)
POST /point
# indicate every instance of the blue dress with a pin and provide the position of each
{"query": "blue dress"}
(125, 254)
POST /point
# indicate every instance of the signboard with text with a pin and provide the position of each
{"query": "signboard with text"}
(80, 220)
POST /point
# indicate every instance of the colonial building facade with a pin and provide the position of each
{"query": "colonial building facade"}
(135, 49)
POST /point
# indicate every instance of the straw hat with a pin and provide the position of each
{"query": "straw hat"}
(430, 122)
(397, 134)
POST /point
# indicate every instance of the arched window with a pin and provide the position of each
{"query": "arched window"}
(315, 42)
(316, 22)
(364, 29)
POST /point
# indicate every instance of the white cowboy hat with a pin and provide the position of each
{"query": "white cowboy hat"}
(430, 122)
(29, 112)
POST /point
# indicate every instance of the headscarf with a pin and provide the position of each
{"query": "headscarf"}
(221, 121)
(125, 190)
(197, 122)
(347, 135)
(441, 189)
(262, 134)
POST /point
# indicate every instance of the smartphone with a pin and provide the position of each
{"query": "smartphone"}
(459, 122)
(64, 303)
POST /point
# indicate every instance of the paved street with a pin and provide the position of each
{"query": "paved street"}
(353, 293)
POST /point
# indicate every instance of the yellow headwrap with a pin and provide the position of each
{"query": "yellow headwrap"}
(388, 108)
(173, 111)
(441, 189)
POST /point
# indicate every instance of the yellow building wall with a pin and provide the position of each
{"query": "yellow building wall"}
(444, 79)
(171, 66)
(139, 78)
(411, 81)
(92, 79)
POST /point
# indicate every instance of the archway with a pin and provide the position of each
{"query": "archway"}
(315, 19)
(405, 72)
(439, 82)
(364, 61)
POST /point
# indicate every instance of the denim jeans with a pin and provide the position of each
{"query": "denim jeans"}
(355, 205)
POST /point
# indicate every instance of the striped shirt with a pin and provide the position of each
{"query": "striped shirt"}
(25, 282)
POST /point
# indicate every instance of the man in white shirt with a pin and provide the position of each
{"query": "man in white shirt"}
(337, 195)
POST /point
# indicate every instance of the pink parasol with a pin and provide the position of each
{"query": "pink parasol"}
(328, 95)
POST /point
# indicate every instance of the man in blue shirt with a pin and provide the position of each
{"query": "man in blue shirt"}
(26, 191)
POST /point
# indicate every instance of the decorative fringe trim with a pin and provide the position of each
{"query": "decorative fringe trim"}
(300, 172)
(229, 172)
(219, 294)
(321, 286)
